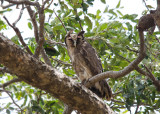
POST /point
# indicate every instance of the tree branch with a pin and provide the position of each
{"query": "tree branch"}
(20, 15)
(125, 71)
(5, 70)
(46, 78)
(18, 33)
(10, 82)
(60, 21)
(49, 5)
(26, 2)
(51, 42)
(14, 101)
(61, 62)
(45, 57)
(7, 6)
(34, 22)
(41, 32)
(36, 33)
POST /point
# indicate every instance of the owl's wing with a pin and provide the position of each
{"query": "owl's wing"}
(91, 58)
(93, 64)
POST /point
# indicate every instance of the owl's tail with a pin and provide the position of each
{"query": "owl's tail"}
(102, 89)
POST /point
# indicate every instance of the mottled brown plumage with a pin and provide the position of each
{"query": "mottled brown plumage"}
(86, 63)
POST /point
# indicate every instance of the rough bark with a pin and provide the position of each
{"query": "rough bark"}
(44, 77)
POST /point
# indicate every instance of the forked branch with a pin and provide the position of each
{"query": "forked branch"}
(126, 70)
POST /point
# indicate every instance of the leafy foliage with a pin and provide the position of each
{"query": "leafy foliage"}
(116, 41)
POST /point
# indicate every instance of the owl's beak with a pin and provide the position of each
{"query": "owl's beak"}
(74, 43)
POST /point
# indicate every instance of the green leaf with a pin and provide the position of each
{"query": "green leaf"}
(106, 10)
(38, 109)
(85, 7)
(103, 1)
(11, 108)
(80, 1)
(91, 15)
(2, 25)
(15, 39)
(25, 100)
(149, 6)
(49, 10)
(103, 26)
(8, 111)
(29, 110)
(158, 103)
(112, 12)
(130, 17)
(118, 5)
(88, 22)
(57, 27)
(3, 11)
(119, 12)
(30, 25)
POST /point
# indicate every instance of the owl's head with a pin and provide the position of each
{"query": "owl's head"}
(73, 40)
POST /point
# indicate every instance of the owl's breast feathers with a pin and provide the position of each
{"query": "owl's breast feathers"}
(87, 64)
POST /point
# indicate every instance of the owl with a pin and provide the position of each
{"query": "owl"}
(86, 63)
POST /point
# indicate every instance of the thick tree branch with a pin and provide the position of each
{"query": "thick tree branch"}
(158, 4)
(41, 32)
(34, 22)
(46, 78)
(156, 14)
(36, 33)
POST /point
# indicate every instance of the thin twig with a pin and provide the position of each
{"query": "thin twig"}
(7, 6)
(155, 82)
(62, 62)
(14, 101)
(44, 3)
(146, 5)
(51, 42)
(60, 20)
(20, 15)
(157, 39)
(10, 82)
(49, 5)
(115, 94)
(137, 109)
(5, 70)
(113, 100)
(19, 35)
(132, 49)
(80, 24)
